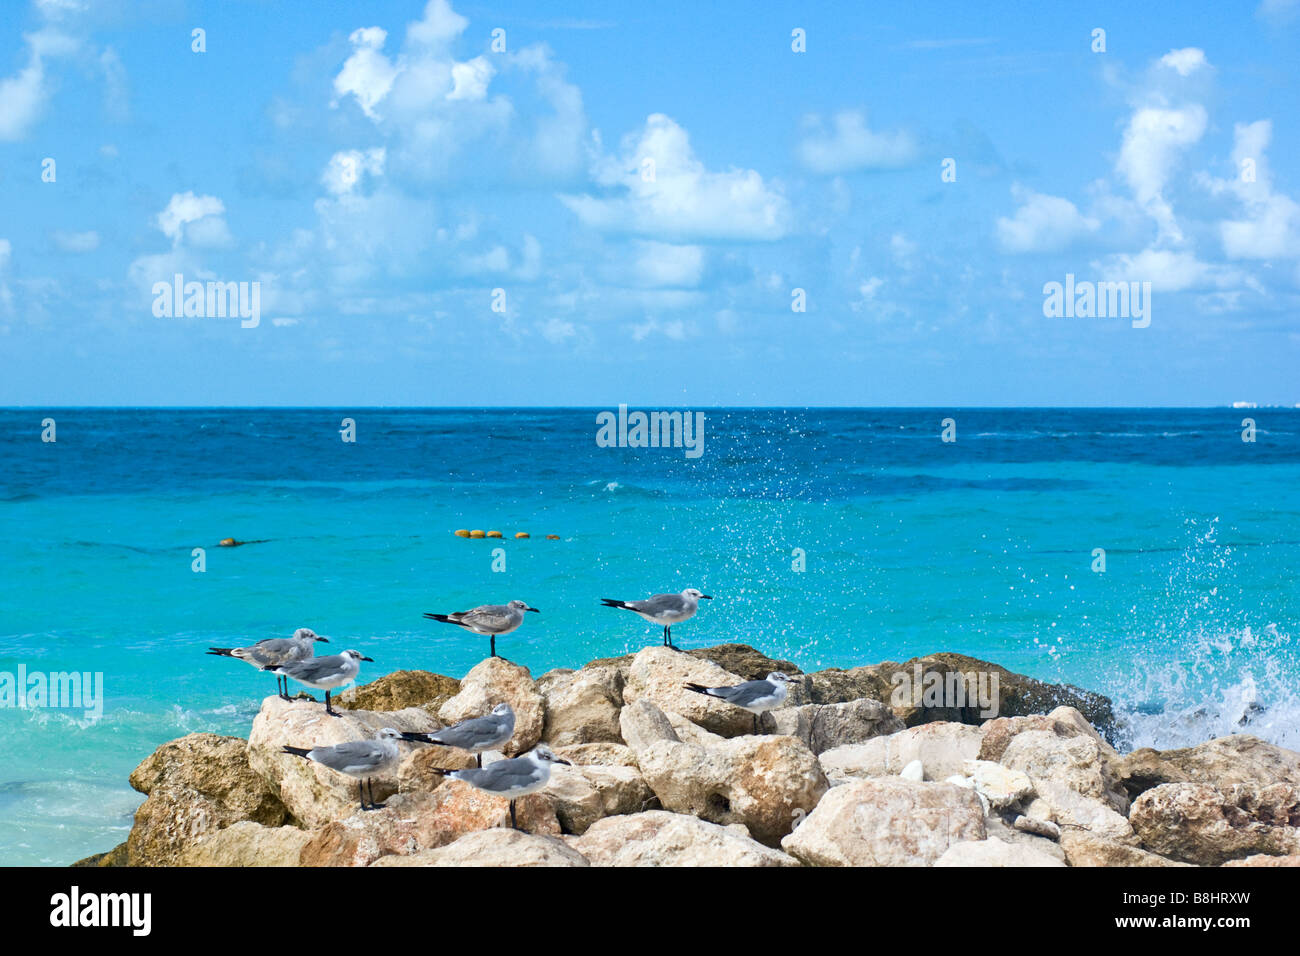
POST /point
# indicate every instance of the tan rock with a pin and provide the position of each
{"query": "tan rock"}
(598, 755)
(642, 723)
(315, 795)
(1001, 786)
(1071, 774)
(1201, 823)
(400, 690)
(659, 838)
(490, 682)
(494, 848)
(247, 844)
(887, 822)
(1261, 859)
(744, 661)
(826, 726)
(1085, 849)
(1062, 722)
(1224, 761)
(582, 707)
(659, 674)
(942, 748)
(994, 853)
(583, 795)
(997, 829)
(195, 786)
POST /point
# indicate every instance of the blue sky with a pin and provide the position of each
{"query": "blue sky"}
(380, 171)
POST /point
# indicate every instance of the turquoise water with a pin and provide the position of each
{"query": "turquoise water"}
(912, 545)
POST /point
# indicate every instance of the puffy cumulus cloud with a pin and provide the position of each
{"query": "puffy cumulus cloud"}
(1186, 61)
(1171, 270)
(661, 264)
(1269, 227)
(367, 75)
(656, 187)
(1042, 223)
(347, 168)
(1153, 142)
(846, 144)
(195, 220)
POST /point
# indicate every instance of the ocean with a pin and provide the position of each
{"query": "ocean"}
(831, 537)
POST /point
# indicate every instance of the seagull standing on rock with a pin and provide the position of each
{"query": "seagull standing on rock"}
(512, 778)
(488, 619)
(476, 734)
(324, 673)
(275, 650)
(664, 609)
(360, 759)
(755, 696)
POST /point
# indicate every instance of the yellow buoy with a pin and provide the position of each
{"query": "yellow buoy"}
(462, 533)
(494, 534)
(228, 542)
(552, 537)
(476, 533)
(521, 534)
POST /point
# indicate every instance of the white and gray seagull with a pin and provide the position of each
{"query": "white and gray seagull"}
(665, 609)
(275, 650)
(512, 778)
(755, 696)
(488, 619)
(324, 673)
(476, 734)
(359, 759)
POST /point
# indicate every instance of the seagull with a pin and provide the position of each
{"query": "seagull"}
(512, 778)
(275, 650)
(359, 759)
(476, 734)
(324, 673)
(755, 696)
(489, 619)
(665, 609)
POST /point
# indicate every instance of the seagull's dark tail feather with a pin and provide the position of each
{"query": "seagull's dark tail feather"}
(222, 651)
(610, 602)
(445, 619)
(297, 751)
(699, 689)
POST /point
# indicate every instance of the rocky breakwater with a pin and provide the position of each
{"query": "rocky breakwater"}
(843, 774)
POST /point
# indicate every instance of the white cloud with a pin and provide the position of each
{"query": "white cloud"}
(367, 75)
(1185, 61)
(662, 264)
(557, 330)
(1042, 223)
(346, 169)
(198, 220)
(1270, 226)
(1171, 271)
(470, 79)
(678, 197)
(76, 242)
(1153, 142)
(847, 145)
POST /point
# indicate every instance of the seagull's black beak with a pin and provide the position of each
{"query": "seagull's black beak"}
(707, 597)
(371, 659)
(533, 609)
(325, 640)
(415, 738)
(565, 762)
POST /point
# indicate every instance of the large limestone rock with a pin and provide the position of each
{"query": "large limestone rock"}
(659, 838)
(744, 661)
(412, 822)
(998, 829)
(1239, 758)
(494, 848)
(1201, 823)
(598, 755)
(826, 726)
(642, 723)
(766, 783)
(887, 822)
(400, 690)
(1071, 775)
(1000, 786)
(583, 795)
(1062, 722)
(1085, 849)
(315, 795)
(195, 786)
(995, 853)
(247, 844)
(582, 707)
(490, 682)
(657, 674)
(1265, 860)
(941, 747)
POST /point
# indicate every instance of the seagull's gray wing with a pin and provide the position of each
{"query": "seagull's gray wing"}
(350, 756)
(660, 604)
(315, 668)
(475, 732)
(492, 618)
(503, 776)
(746, 694)
(273, 650)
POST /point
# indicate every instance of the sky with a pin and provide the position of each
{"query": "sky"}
(668, 204)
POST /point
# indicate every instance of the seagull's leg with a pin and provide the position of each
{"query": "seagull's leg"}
(480, 760)
(373, 805)
(756, 723)
(514, 823)
(493, 639)
(361, 793)
(328, 709)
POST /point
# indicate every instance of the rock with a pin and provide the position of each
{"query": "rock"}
(583, 706)
(1086, 849)
(642, 724)
(1062, 722)
(490, 682)
(412, 822)
(195, 786)
(1042, 828)
(583, 795)
(766, 783)
(420, 770)
(114, 857)
(247, 844)
(941, 747)
(400, 690)
(1261, 859)
(1000, 786)
(994, 853)
(659, 674)
(495, 848)
(826, 726)
(690, 733)
(1071, 775)
(315, 795)
(1203, 824)
(743, 661)
(887, 822)
(660, 838)
(1239, 758)
(836, 686)
(913, 771)
(598, 755)
(998, 830)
